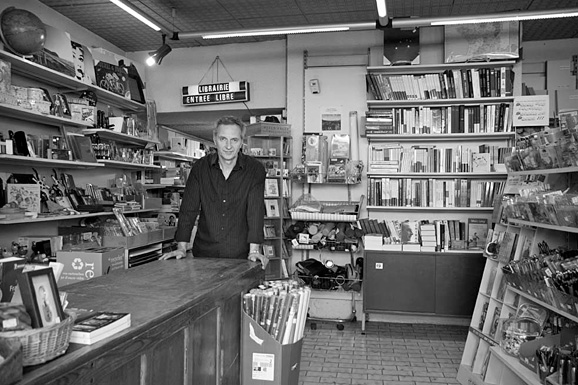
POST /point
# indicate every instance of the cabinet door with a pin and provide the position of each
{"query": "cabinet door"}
(230, 340)
(458, 278)
(203, 342)
(399, 282)
(167, 365)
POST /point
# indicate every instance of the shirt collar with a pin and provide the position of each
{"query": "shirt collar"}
(241, 160)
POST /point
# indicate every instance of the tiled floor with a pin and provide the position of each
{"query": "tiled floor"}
(388, 354)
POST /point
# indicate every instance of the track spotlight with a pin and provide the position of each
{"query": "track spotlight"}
(157, 56)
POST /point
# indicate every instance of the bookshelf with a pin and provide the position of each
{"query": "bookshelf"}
(438, 137)
(274, 152)
(483, 361)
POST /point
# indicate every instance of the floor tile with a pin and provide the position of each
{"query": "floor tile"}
(386, 354)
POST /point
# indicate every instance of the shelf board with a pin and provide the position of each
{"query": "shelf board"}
(513, 363)
(126, 165)
(46, 75)
(150, 186)
(41, 162)
(440, 175)
(37, 117)
(543, 304)
(376, 104)
(103, 133)
(175, 156)
(548, 171)
(440, 137)
(567, 229)
(67, 217)
(408, 208)
(270, 156)
(427, 68)
(481, 335)
(466, 376)
(469, 252)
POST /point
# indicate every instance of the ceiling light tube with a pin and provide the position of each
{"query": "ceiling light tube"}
(133, 12)
(277, 31)
(381, 8)
(489, 18)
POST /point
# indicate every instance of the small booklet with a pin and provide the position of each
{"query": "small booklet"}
(97, 326)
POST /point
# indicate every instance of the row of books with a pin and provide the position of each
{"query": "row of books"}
(408, 192)
(449, 84)
(279, 307)
(412, 235)
(393, 158)
(482, 118)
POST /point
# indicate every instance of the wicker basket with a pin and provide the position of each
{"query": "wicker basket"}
(43, 344)
(350, 214)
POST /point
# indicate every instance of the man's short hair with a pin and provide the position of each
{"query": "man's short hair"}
(231, 120)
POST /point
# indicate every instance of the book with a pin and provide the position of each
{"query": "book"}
(10, 268)
(271, 188)
(477, 233)
(272, 207)
(97, 326)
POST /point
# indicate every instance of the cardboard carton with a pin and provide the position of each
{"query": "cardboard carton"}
(264, 361)
(81, 265)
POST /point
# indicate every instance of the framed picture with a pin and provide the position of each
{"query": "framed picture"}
(40, 297)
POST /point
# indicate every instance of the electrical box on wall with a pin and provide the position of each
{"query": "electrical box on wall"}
(314, 86)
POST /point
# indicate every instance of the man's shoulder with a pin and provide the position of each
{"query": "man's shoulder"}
(253, 163)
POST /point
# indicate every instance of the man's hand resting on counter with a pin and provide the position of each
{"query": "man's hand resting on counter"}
(178, 254)
(254, 256)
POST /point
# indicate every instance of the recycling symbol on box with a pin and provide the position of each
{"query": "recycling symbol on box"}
(77, 264)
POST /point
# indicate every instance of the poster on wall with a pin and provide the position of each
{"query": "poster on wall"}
(331, 119)
(482, 41)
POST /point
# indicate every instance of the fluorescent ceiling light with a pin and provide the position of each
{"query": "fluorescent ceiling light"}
(381, 8)
(276, 31)
(135, 14)
(488, 18)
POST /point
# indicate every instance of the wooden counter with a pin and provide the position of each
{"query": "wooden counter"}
(185, 325)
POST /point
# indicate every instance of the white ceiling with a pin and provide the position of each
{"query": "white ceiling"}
(116, 26)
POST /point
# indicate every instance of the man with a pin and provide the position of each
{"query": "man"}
(225, 191)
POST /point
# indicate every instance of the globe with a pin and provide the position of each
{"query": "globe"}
(22, 31)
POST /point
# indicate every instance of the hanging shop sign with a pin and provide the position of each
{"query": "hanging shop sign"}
(215, 93)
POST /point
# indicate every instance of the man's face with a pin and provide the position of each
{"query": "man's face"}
(228, 141)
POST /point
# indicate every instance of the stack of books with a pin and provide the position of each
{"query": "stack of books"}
(92, 327)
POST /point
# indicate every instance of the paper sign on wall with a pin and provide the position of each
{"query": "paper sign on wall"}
(531, 110)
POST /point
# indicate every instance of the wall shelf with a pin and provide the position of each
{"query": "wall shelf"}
(37, 117)
(440, 175)
(377, 104)
(41, 162)
(126, 165)
(567, 229)
(175, 156)
(49, 76)
(546, 171)
(67, 217)
(408, 208)
(440, 137)
(118, 136)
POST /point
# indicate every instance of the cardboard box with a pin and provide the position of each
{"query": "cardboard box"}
(269, 129)
(134, 241)
(81, 265)
(264, 361)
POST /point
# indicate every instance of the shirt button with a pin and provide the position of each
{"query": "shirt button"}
(224, 200)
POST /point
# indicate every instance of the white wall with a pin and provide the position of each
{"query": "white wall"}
(261, 64)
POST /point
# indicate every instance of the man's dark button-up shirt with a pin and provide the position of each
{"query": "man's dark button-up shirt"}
(230, 210)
